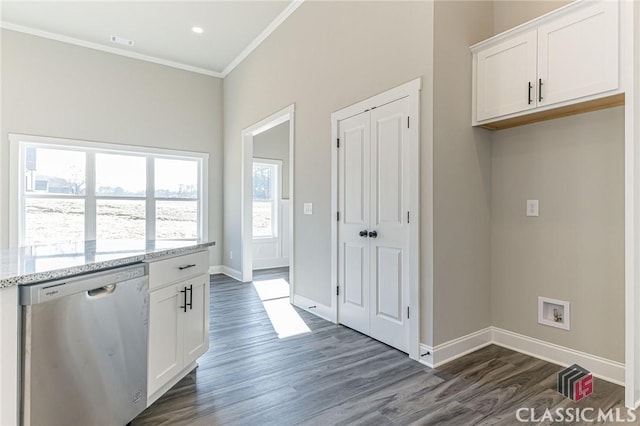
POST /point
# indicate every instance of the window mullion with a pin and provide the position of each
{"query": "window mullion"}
(90, 211)
(150, 221)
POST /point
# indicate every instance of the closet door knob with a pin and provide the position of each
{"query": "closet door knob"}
(373, 234)
(363, 233)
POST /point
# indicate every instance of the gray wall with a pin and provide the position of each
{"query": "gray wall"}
(61, 90)
(462, 177)
(324, 57)
(574, 250)
(274, 144)
(329, 55)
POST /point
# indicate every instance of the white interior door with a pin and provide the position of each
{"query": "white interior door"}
(354, 161)
(389, 286)
(373, 230)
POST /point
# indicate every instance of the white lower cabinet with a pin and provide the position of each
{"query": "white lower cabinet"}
(178, 329)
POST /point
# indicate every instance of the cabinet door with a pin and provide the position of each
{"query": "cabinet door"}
(505, 77)
(578, 53)
(196, 319)
(165, 336)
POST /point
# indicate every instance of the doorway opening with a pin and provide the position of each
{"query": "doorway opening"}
(267, 195)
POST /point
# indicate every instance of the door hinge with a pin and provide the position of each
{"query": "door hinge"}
(338, 216)
(408, 218)
(408, 122)
(337, 290)
(338, 145)
(408, 316)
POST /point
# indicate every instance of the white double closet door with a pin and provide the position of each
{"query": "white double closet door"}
(373, 231)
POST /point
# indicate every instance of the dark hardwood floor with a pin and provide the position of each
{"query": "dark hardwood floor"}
(336, 376)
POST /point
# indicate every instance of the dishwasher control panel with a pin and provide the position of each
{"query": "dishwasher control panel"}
(94, 284)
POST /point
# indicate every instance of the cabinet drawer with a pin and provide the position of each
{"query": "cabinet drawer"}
(177, 268)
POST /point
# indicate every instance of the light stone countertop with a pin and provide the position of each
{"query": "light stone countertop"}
(31, 264)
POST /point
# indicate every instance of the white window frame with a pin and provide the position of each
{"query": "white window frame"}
(277, 197)
(19, 142)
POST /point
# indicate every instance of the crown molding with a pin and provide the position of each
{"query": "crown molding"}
(108, 49)
(148, 58)
(262, 36)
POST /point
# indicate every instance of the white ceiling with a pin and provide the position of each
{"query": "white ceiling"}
(161, 30)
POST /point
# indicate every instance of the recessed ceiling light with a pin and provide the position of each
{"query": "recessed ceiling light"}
(121, 40)
(197, 30)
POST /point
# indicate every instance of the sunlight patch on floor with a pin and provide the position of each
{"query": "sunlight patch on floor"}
(274, 295)
(272, 289)
(285, 320)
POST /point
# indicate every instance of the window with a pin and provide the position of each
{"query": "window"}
(76, 191)
(266, 178)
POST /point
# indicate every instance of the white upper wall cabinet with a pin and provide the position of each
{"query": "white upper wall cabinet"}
(567, 57)
(506, 77)
(578, 54)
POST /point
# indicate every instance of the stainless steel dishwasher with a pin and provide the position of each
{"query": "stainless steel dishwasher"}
(84, 342)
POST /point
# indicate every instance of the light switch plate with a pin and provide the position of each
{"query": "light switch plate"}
(308, 208)
(532, 208)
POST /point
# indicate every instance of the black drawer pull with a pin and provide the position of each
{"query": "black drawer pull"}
(190, 304)
(540, 90)
(182, 268)
(184, 306)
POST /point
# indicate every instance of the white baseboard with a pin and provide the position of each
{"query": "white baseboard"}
(318, 309)
(213, 270)
(461, 346)
(426, 355)
(611, 371)
(279, 262)
(223, 269)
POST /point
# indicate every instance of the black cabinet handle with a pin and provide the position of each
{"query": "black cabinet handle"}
(363, 233)
(373, 234)
(539, 90)
(529, 98)
(190, 304)
(184, 305)
(186, 266)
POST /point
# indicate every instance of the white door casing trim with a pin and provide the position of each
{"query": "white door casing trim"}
(246, 197)
(410, 90)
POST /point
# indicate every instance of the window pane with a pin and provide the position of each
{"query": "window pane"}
(263, 219)
(120, 219)
(50, 221)
(176, 178)
(263, 176)
(121, 175)
(54, 171)
(176, 220)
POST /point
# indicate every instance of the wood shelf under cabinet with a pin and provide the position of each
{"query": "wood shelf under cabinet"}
(550, 114)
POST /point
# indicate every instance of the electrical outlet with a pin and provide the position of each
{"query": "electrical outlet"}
(230, 254)
(532, 208)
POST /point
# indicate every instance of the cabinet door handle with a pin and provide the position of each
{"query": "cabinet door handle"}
(529, 95)
(539, 90)
(186, 266)
(190, 304)
(184, 305)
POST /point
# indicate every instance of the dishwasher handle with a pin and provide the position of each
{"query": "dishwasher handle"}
(102, 291)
